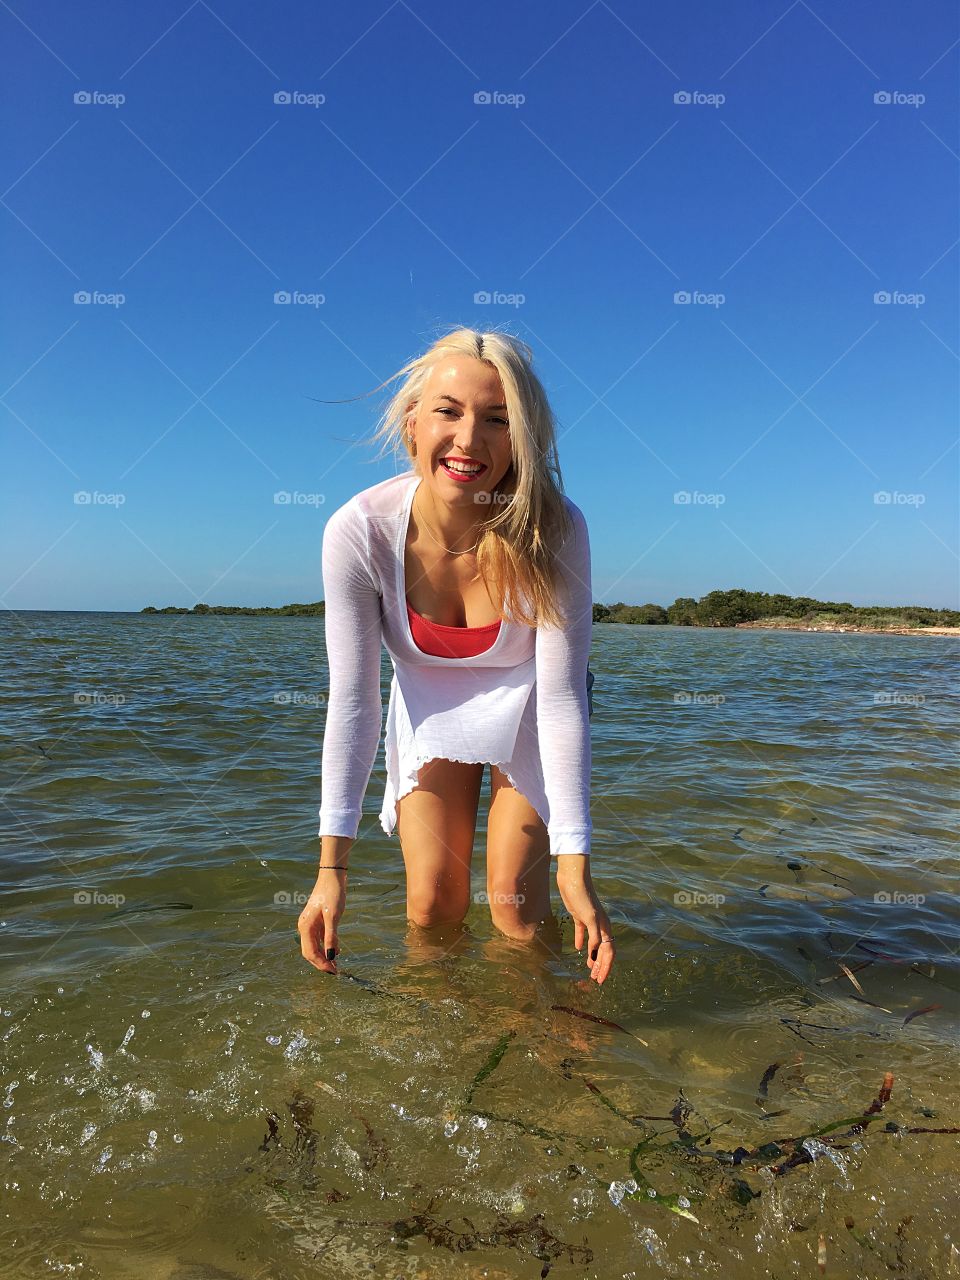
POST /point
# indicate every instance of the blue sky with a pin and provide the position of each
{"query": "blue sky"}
(781, 197)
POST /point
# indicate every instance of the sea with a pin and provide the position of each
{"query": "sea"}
(765, 1086)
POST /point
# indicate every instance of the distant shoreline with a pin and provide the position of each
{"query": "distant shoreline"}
(760, 624)
(728, 610)
(872, 631)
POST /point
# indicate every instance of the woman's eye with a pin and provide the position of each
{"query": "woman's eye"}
(503, 422)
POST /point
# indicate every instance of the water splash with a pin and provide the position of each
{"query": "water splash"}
(296, 1046)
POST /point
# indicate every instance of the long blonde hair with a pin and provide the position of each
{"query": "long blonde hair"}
(528, 519)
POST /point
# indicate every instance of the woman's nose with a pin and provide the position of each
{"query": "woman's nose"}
(468, 434)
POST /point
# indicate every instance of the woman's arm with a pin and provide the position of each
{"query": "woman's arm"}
(564, 730)
(353, 629)
(563, 724)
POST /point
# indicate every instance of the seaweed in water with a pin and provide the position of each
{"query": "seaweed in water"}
(680, 1114)
(915, 1013)
(603, 1022)
(304, 1149)
(676, 1203)
(791, 1152)
(764, 1084)
(531, 1237)
(491, 1064)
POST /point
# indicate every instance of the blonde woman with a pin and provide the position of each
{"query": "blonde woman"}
(473, 569)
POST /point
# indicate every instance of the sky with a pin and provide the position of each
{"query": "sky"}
(728, 233)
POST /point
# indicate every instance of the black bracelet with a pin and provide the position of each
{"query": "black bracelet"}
(332, 867)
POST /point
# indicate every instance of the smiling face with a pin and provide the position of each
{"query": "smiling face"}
(461, 425)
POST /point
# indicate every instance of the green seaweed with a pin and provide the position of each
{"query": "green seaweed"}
(607, 1103)
(646, 1188)
(861, 1240)
(491, 1064)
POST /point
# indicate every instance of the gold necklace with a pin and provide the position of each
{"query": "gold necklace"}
(469, 551)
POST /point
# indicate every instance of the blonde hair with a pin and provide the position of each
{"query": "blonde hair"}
(528, 519)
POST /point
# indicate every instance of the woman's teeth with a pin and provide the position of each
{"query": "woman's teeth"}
(461, 469)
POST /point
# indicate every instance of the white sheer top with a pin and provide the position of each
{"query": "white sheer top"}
(521, 704)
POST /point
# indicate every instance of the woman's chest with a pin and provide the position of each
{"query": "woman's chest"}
(448, 591)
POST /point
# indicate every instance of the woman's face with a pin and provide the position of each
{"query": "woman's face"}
(462, 418)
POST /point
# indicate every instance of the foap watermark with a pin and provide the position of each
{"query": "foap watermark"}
(85, 698)
(694, 98)
(894, 498)
(894, 98)
(495, 98)
(296, 298)
(894, 698)
(494, 298)
(294, 498)
(94, 498)
(894, 898)
(897, 298)
(694, 498)
(94, 298)
(697, 898)
(483, 898)
(288, 898)
(296, 98)
(496, 499)
(296, 698)
(689, 698)
(696, 298)
(94, 898)
(96, 98)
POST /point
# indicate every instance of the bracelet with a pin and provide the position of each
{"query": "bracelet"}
(332, 867)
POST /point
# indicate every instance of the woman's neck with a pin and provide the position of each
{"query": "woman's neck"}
(458, 527)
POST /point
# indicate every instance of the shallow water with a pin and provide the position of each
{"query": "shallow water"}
(186, 1099)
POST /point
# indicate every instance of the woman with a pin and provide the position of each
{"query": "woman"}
(473, 568)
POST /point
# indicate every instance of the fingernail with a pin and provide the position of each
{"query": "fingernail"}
(330, 953)
(593, 953)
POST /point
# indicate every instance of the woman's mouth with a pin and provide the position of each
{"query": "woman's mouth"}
(462, 469)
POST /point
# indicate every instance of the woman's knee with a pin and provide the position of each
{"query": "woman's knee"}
(427, 908)
(514, 910)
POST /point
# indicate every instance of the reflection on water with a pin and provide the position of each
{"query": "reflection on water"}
(766, 1081)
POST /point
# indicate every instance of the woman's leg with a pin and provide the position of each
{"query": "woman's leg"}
(518, 861)
(437, 824)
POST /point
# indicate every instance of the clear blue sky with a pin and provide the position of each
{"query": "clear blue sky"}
(398, 198)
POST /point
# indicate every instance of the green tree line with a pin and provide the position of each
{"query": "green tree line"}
(716, 609)
(728, 608)
(237, 610)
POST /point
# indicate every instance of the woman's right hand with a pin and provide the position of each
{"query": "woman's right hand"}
(320, 919)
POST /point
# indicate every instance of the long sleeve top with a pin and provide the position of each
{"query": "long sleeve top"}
(520, 704)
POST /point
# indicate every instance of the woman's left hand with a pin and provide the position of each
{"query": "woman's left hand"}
(589, 918)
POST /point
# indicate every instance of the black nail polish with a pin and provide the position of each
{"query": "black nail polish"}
(330, 953)
(593, 953)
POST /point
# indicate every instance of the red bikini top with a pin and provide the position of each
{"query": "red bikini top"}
(450, 642)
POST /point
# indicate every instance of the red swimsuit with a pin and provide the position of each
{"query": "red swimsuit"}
(450, 642)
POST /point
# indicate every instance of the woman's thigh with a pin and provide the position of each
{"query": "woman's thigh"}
(437, 824)
(518, 860)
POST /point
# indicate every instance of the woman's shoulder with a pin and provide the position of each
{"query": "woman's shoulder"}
(573, 510)
(578, 521)
(381, 500)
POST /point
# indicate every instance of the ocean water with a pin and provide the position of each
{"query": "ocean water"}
(185, 1098)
